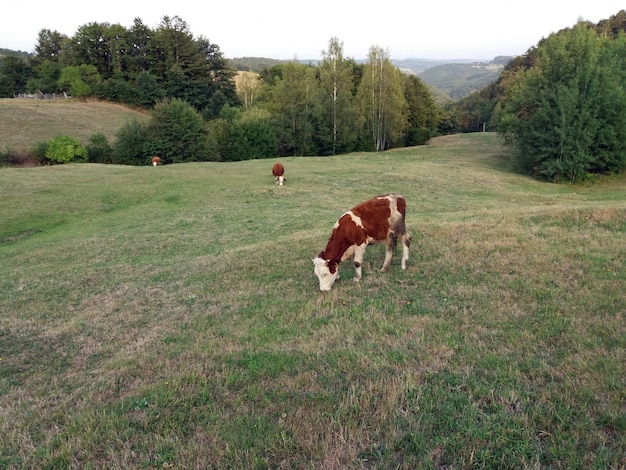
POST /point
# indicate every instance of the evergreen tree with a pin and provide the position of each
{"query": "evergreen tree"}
(423, 114)
(50, 46)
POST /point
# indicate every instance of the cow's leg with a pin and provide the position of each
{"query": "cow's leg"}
(359, 253)
(406, 244)
(389, 246)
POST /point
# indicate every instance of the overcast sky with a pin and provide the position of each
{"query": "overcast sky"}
(287, 29)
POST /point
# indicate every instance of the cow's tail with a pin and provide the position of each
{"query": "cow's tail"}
(393, 241)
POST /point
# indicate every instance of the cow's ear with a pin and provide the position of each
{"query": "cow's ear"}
(319, 261)
(332, 265)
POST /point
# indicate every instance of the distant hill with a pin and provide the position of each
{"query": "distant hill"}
(417, 66)
(460, 79)
(450, 80)
(253, 64)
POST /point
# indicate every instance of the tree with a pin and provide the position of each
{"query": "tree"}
(250, 135)
(336, 83)
(79, 81)
(193, 70)
(14, 73)
(50, 46)
(177, 133)
(147, 90)
(567, 115)
(248, 85)
(382, 102)
(46, 78)
(294, 102)
(132, 144)
(423, 114)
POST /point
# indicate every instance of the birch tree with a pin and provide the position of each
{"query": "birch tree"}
(382, 101)
(336, 83)
(248, 86)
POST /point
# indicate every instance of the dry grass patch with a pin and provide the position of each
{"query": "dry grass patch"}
(24, 123)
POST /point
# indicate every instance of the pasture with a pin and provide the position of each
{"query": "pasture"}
(169, 317)
(25, 123)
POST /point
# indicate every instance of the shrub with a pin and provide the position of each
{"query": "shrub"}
(132, 144)
(99, 150)
(65, 149)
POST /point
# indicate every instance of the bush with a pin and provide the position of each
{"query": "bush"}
(417, 136)
(132, 144)
(177, 133)
(99, 150)
(65, 149)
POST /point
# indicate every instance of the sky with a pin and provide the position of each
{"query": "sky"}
(287, 29)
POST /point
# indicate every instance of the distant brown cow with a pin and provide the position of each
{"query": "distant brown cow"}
(278, 170)
(156, 161)
(379, 219)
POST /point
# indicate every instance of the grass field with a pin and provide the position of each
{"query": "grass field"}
(24, 122)
(169, 317)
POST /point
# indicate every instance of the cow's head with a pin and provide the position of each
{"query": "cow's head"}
(327, 272)
(280, 180)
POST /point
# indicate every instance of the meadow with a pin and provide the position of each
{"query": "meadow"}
(25, 122)
(169, 317)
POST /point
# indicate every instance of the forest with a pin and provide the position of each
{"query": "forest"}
(561, 104)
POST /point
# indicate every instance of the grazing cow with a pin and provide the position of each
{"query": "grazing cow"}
(379, 219)
(156, 161)
(278, 170)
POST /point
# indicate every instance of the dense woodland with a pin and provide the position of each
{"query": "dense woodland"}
(562, 104)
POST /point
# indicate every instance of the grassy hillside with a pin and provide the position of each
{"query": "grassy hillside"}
(169, 317)
(460, 80)
(24, 123)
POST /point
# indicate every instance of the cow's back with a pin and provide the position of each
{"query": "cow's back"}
(380, 214)
(278, 169)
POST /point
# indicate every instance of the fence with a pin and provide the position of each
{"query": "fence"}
(42, 96)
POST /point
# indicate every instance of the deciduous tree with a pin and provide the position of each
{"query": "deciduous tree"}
(567, 115)
(336, 83)
(382, 101)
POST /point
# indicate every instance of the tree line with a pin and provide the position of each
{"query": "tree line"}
(561, 105)
(288, 109)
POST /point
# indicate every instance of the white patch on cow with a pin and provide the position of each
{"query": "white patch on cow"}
(281, 180)
(322, 271)
(356, 219)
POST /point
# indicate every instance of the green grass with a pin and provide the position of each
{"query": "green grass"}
(169, 317)
(25, 122)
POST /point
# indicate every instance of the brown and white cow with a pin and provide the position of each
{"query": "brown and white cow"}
(156, 161)
(278, 170)
(379, 219)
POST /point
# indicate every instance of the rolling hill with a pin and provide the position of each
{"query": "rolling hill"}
(26, 122)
